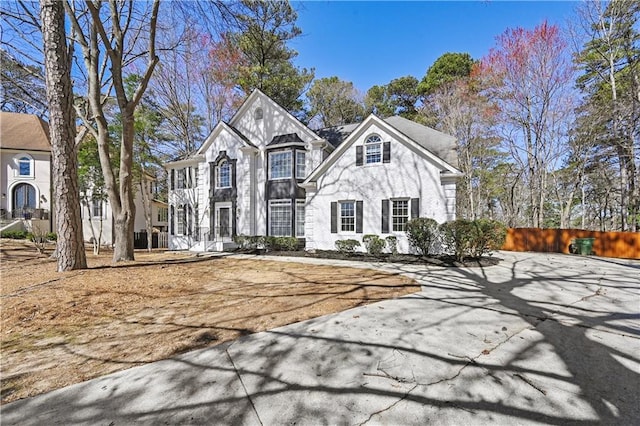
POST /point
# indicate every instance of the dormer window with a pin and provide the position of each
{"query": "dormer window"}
(223, 175)
(373, 149)
(257, 114)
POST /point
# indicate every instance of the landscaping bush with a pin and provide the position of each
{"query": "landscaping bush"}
(422, 233)
(52, 236)
(347, 246)
(457, 237)
(14, 235)
(286, 243)
(271, 243)
(490, 236)
(392, 244)
(373, 244)
(465, 238)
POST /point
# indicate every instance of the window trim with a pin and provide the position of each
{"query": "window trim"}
(94, 203)
(163, 214)
(303, 155)
(279, 203)
(393, 215)
(341, 217)
(288, 154)
(181, 220)
(373, 141)
(300, 204)
(225, 164)
(24, 158)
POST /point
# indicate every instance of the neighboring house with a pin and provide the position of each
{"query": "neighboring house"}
(266, 173)
(25, 177)
(97, 217)
(25, 181)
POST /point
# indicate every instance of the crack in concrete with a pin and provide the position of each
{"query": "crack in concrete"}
(246, 392)
(389, 407)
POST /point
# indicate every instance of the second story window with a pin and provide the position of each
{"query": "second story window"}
(181, 179)
(24, 166)
(223, 175)
(373, 149)
(280, 165)
(301, 165)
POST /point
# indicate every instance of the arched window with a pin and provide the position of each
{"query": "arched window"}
(257, 115)
(223, 175)
(373, 149)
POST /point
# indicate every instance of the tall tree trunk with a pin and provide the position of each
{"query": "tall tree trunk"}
(70, 244)
(124, 225)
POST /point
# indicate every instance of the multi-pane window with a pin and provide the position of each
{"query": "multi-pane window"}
(301, 165)
(96, 208)
(300, 211)
(373, 149)
(280, 165)
(348, 216)
(182, 174)
(163, 214)
(223, 175)
(280, 218)
(24, 166)
(399, 214)
(181, 220)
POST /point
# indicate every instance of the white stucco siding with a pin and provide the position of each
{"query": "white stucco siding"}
(408, 175)
(39, 178)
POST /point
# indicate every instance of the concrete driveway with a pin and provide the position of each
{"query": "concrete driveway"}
(540, 338)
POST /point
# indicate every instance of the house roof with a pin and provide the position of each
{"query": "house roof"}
(24, 132)
(285, 139)
(442, 142)
(438, 143)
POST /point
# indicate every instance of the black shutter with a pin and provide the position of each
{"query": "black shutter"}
(386, 152)
(334, 218)
(173, 179)
(359, 155)
(385, 216)
(359, 217)
(415, 208)
(172, 218)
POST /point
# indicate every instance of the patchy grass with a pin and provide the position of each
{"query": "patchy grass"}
(63, 328)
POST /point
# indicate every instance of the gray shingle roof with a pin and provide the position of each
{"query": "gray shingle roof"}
(438, 143)
(283, 139)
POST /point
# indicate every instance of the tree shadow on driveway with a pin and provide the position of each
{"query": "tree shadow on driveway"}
(535, 339)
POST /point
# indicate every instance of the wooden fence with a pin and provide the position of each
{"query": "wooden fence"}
(625, 245)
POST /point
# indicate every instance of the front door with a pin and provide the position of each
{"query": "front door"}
(224, 226)
(24, 198)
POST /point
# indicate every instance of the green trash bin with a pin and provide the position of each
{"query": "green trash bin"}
(584, 246)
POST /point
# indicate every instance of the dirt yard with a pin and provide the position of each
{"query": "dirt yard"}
(64, 328)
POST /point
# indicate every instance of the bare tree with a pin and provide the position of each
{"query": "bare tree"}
(531, 75)
(70, 245)
(119, 34)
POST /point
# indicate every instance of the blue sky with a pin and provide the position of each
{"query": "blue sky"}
(373, 42)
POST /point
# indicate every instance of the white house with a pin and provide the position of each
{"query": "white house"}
(266, 173)
(25, 174)
(25, 181)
